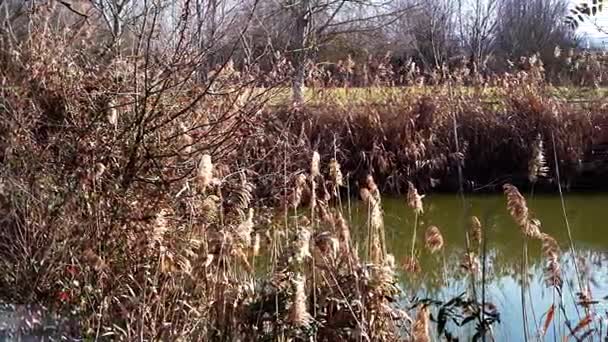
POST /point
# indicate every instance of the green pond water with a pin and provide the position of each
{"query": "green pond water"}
(442, 278)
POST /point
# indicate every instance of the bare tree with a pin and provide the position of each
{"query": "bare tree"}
(114, 12)
(526, 27)
(119, 17)
(477, 27)
(584, 10)
(430, 31)
(140, 137)
(315, 22)
(218, 24)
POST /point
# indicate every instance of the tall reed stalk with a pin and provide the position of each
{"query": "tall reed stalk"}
(414, 201)
(523, 286)
(537, 168)
(315, 171)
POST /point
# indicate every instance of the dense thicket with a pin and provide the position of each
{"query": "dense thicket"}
(137, 153)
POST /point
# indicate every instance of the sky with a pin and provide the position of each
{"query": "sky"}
(590, 30)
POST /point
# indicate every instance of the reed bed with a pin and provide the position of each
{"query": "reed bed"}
(410, 137)
(142, 203)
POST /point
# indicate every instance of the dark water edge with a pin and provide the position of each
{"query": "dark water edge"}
(587, 183)
(584, 184)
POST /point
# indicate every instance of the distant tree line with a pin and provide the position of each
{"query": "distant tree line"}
(484, 35)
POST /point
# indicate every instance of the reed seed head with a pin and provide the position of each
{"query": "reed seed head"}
(476, 231)
(336, 173)
(186, 140)
(296, 197)
(315, 165)
(381, 275)
(255, 247)
(518, 208)
(99, 170)
(376, 253)
(326, 215)
(209, 207)
(389, 261)
(414, 200)
(245, 229)
(112, 114)
(367, 197)
(328, 245)
(470, 263)
(302, 244)
(433, 239)
(160, 227)
(516, 204)
(537, 167)
(420, 330)
(557, 52)
(551, 253)
(411, 265)
(343, 232)
(298, 314)
(205, 171)
(376, 219)
(373, 188)
(533, 229)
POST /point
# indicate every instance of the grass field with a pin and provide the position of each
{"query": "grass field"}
(386, 94)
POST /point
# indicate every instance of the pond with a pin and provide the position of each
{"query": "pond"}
(442, 278)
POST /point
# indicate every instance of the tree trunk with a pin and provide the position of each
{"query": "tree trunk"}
(297, 83)
(300, 51)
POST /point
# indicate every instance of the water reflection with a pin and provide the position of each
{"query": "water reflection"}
(442, 278)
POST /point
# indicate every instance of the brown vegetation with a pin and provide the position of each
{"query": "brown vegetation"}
(411, 136)
(133, 189)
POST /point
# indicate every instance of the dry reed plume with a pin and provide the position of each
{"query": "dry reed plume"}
(298, 315)
(315, 164)
(295, 199)
(537, 167)
(412, 265)
(376, 244)
(343, 233)
(244, 230)
(186, 141)
(347, 297)
(328, 246)
(518, 208)
(420, 329)
(112, 114)
(256, 244)
(532, 228)
(433, 239)
(476, 230)
(469, 263)
(302, 244)
(516, 204)
(366, 197)
(336, 173)
(314, 174)
(551, 253)
(414, 200)
(205, 171)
